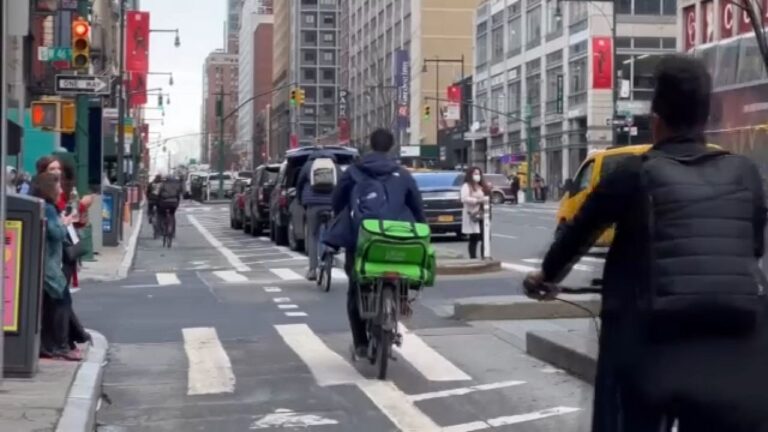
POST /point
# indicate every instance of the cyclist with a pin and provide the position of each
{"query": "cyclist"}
(398, 199)
(683, 335)
(317, 180)
(153, 194)
(169, 199)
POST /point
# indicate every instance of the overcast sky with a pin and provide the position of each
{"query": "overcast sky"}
(200, 24)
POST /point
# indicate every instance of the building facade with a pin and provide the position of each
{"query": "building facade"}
(280, 125)
(552, 61)
(232, 27)
(394, 54)
(220, 79)
(255, 66)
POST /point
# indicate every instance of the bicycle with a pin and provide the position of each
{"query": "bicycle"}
(324, 254)
(168, 228)
(594, 288)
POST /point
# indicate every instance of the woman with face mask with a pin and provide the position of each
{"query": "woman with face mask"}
(473, 193)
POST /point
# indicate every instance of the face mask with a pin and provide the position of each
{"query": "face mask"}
(476, 178)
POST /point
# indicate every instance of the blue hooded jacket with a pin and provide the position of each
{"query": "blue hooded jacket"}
(306, 195)
(404, 197)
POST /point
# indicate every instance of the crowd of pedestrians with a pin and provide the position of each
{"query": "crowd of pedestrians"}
(65, 213)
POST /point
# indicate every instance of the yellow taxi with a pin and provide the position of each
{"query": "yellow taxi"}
(596, 166)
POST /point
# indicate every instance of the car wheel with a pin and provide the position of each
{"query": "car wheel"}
(271, 232)
(293, 243)
(281, 236)
(231, 222)
(497, 198)
(238, 222)
(459, 235)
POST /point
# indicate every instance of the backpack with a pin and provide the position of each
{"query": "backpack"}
(322, 175)
(703, 273)
(369, 199)
(154, 189)
(170, 190)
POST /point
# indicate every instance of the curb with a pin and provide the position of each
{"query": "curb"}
(130, 250)
(518, 307)
(468, 267)
(574, 353)
(79, 413)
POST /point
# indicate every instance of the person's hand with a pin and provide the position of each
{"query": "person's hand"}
(67, 219)
(537, 289)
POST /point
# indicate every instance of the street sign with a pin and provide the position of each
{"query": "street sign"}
(54, 54)
(83, 84)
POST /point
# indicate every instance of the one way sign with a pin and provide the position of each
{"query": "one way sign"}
(82, 84)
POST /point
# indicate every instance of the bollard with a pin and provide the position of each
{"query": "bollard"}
(486, 228)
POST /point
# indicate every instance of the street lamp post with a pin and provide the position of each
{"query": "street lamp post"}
(438, 60)
(168, 74)
(176, 40)
(613, 26)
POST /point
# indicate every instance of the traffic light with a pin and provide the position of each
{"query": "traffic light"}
(300, 96)
(294, 96)
(427, 112)
(53, 115)
(81, 44)
(454, 93)
(160, 100)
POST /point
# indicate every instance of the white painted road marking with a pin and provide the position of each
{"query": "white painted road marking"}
(167, 279)
(329, 369)
(580, 267)
(285, 418)
(509, 420)
(287, 306)
(210, 371)
(426, 360)
(286, 274)
(281, 299)
(230, 276)
(463, 390)
(295, 314)
(271, 289)
(518, 267)
(593, 259)
(231, 257)
(511, 237)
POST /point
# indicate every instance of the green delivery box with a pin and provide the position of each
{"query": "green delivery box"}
(385, 247)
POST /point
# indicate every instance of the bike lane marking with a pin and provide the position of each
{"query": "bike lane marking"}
(510, 420)
(210, 371)
(230, 276)
(167, 279)
(228, 254)
(426, 360)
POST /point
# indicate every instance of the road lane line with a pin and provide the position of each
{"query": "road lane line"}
(287, 306)
(286, 274)
(339, 275)
(210, 371)
(517, 267)
(289, 252)
(230, 276)
(276, 260)
(593, 259)
(281, 299)
(167, 279)
(295, 314)
(271, 289)
(509, 420)
(505, 236)
(329, 368)
(231, 257)
(426, 360)
(463, 390)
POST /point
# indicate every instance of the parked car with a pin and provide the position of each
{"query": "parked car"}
(240, 189)
(440, 193)
(228, 183)
(244, 175)
(501, 188)
(286, 216)
(256, 217)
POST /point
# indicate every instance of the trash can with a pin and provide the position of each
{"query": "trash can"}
(111, 215)
(23, 288)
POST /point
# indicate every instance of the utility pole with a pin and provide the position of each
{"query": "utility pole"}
(528, 153)
(220, 115)
(120, 102)
(4, 57)
(81, 131)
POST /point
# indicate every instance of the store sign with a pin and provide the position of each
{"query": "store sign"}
(409, 151)
(107, 208)
(403, 84)
(12, 283)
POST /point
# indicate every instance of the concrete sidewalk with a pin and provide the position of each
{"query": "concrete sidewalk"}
(113, 263)
(62, 397)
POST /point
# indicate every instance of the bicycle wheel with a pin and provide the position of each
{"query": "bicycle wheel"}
(327, 269)
(385, 330)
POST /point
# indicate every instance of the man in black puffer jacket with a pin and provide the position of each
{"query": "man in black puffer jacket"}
(685, 332)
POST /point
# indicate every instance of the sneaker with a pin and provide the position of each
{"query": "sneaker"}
(311, 275)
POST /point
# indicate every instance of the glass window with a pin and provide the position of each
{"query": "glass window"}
(497, 101)
(533, 89)
(552, 79)
(751, 66)
(329, 19)
(328, 75)
(309, 56)
(310, 38)
(624, 6)
(328, 56)
(623, 42)
(482, 49)
(309, 74)
(513, 97)
(645, 66)
(584, 176)
(554, 17)
(497, 44)
(533, 23)
(669, 7)
(309, 18)
(482, 101)
(578, 10)
(648, 7)
(431, 180)
(669, 43)
(514, 35)
(647, 42)
(610, 163)
(328, 37)
(578, 75)
(327, 93)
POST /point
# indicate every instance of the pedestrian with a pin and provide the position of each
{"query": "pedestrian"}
(474, 194)
(49, 163)
(55, 310)
(515, 185)
(684, 333)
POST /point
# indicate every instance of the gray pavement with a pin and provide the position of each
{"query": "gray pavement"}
(220, 333)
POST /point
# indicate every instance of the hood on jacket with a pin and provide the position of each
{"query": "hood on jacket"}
(377, 163)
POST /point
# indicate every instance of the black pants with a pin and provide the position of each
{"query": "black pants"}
(356, 323)
(474, 240)
(54, 331)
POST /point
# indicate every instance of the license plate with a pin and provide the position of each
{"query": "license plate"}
(445, 218)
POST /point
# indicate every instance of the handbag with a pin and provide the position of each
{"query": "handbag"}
(72, 252)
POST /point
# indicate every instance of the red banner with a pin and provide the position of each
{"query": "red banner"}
(137, 41)
(145, 133)
(602, 63)
(689, 27)
(137, 89)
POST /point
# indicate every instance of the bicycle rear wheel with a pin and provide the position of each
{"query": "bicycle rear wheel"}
(327, 271)
(386, 328)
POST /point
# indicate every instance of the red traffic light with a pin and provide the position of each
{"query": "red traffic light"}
(454, 93)
(80, 28)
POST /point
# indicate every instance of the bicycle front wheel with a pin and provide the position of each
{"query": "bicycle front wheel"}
(387, 326)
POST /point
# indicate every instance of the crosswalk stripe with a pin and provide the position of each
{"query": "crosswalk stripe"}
(287, 306)
(463, 390)
(426, 360)
(510, 420)
(231, 257)
(210, 371)
(328, 368)
(286, 274)
(295, 314)
(517, 267)
(271, 289)
(167, 279)
(230, 276)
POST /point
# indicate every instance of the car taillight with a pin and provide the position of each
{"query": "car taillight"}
(283, 199)
(260, 195)
(241, 201)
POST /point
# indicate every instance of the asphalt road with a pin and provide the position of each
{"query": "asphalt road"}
(221, 333)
